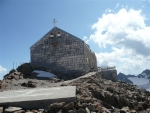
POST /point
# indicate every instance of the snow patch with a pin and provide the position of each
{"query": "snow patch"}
(144, 74)
(44, 74)
(138, 81)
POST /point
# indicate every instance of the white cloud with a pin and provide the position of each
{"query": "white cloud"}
(85, 38)
(2, 69)
(128, 36)
(108, 10)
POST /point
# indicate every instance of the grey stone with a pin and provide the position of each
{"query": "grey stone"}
(81, 110)
(87, 110)
(72, 111)
(12, 109)
(38, 97)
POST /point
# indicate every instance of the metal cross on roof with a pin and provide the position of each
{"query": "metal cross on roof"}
(54, 21)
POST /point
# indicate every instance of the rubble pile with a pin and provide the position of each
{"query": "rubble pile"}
(93, 95)
(96, 95)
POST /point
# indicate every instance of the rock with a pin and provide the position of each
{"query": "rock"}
(58, 105)
(87, 110)
(40, 110)
(133, 111)
(125, 110)
(105, 110)
(55, 80)
(12, 71)
(24, 84)
(81, 110)
(2, 85)
(31, 84)
(25, 68)
(72, 111)
(69, 105)
(12, 109)
(16, 77)
(88, 99)
(8, 81)
(1, 109)
(17, 73)
(20, 111)
(34, 111)
(98, 107)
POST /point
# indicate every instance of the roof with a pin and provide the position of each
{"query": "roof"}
(59, 30)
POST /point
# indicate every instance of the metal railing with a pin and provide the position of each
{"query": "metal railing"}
(105, 68)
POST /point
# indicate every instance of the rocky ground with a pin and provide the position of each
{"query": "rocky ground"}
(94, 95)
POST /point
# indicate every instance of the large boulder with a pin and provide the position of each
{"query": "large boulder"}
(2, 85)
(25, 68)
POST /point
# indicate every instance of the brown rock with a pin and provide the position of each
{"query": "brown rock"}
(98, 107)
(125, 110)
(81, 110)
(69, 105)
(84, 105)
(78, 104)
(88, 99)
(58, 105)
(2, 85)
(16, 77)
(72, 111)
(17, 73)
(31, 84)
(1, 109)
(34, 111)
(8, 81)
(24, 84)
(133, 111)
(19, 111)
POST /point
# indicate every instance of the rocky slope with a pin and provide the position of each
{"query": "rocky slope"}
(94, 95)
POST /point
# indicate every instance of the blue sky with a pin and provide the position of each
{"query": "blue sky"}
(117, 31)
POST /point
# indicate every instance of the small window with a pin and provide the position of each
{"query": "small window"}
(58, 34)
(52, 36)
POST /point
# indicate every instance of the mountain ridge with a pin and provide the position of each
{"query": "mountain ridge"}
(142, 80)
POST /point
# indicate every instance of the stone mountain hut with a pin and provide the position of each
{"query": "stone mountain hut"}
(61, 52)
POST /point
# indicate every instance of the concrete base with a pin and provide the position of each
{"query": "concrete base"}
(37, 97)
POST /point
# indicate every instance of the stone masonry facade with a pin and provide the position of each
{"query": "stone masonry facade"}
(62, 52)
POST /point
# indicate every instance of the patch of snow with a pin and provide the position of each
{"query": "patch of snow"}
(138, 81)
(44, 74)
(142, 83)
(144, 74)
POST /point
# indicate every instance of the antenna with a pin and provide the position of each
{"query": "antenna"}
(13, 65)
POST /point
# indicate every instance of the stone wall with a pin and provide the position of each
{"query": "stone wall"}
(62, 52)
(90, 59)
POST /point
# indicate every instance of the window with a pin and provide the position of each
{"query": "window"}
(58, 34)
(52, 36)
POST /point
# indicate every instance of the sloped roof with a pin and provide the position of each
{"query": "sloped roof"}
(59, 30)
